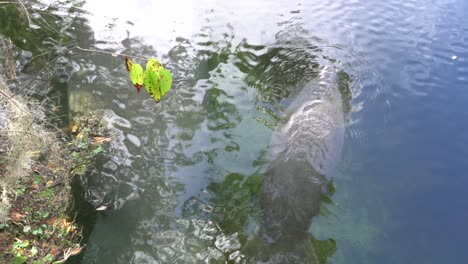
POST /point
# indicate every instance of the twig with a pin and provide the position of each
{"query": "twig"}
(27, 112)
(41, 54)
(14, 102)
(49, 26)
(16, 131)
(8, 2)
(26, 11)
(110, 53)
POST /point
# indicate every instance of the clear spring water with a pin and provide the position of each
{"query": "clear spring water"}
(181, 177)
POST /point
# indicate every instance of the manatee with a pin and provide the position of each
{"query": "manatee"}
(303, 154)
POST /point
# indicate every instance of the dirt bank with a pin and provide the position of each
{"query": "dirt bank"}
(37, 163)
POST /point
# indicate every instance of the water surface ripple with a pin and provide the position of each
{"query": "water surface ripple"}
(182, 177)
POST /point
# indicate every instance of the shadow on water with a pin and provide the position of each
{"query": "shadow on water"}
(235, 207)
(147, 175)
(277, 74)
(235, 200)
(45, 36)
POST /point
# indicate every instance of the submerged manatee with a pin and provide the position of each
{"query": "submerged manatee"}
(303, 155)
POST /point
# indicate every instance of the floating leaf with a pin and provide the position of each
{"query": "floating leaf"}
(152, 84)
(165, 80)
(136, 76)
(156, 78)
(136, 73)
(153, 65)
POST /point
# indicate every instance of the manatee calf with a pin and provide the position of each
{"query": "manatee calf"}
(303, 155)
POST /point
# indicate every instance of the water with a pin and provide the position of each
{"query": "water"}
(182, 177)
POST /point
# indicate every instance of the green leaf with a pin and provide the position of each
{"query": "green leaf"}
(37, 232)
(34, 251)
(97, 150)
(19, 259)
(156, 78)
(48, 259)
(158, 81)
(152, 83)
(153, 65)
(166, 81)
(18, 244)
(26, 229)
(45, 215)
(136, 75)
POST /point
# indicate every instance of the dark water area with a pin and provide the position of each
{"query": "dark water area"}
(182, 177)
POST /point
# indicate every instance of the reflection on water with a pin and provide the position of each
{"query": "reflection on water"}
(182, 177)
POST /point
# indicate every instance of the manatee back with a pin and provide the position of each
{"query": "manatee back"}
(314, 127)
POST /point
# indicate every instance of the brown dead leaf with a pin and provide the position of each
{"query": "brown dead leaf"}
(54, 252)
(67, 226)
(37, 168)
(6, 239)
(70, 252)
(100, 140)
(51, 165)
(16, 216)
(49, 184)
(64, 223)
(57, 198)
(51, 221)
(74, 128)
(75, 251)
(55, 182)
(45, 245)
